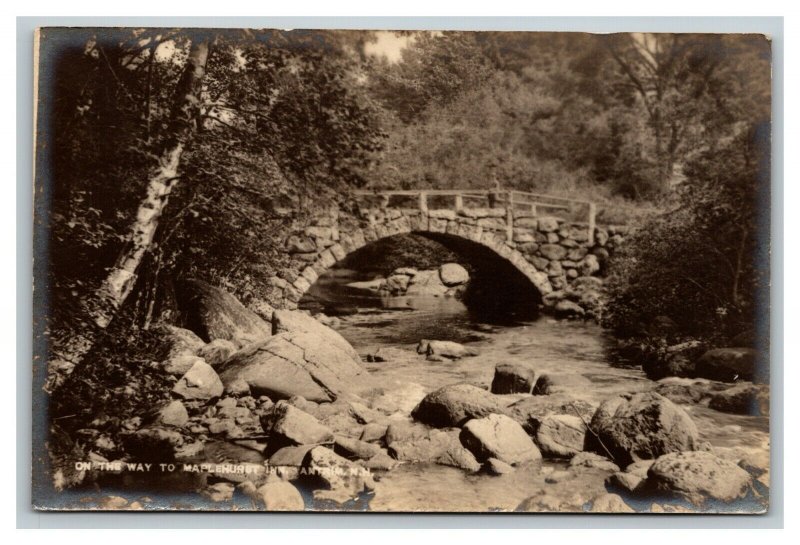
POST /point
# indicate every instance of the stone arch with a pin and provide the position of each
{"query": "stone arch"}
(444, 222)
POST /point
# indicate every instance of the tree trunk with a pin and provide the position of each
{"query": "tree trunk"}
(102, 308)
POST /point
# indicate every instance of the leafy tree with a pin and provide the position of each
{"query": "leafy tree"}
(704, 264)
(272, 118)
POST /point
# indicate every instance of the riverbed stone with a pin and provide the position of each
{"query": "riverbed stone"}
(388, 354)
(512, 378)
(291, 456)
(530, 411)
(610, 503)
(453, 274)
(173, 414)
(381, 461)
(279, 495)
(627, 482)
(217, 351)
(179, 364)
(182, 345)
(494, 466)
(216, 314)
(199, 382)
(641, 426)
(698, 477)
(397, 283)
(498, 436)
(411, 442)
(453, 405)
(298, 362)
(373, 432)
(741, 399)
(295, 321)
(444, 349)
(561, 435)
(592, 461)
(426, 283)
(218, 492)
(287, 426)
(727, 364)
(554, 383)
(355, 448)
(568, 309)
(341, 479)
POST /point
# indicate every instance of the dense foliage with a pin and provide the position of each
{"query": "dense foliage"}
(703, 264)
(289, 120)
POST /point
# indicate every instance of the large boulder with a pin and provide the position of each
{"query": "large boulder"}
(426, 283)
(641, 426)
(568, 309)
(510, 378)
(557, 383)
(293, 321)
(444, 349)
(213, 313)
(530, 411)
(300, 362)
(182, 346)
(179, 364)
(199, 382)
(698, 477)
(677, 361)
(355, 448)
(217, 351)
(409, 442)
(727, 364)
(397, 283)
(453, 274)
(279, 495)
(741, 399)
(289, 426)
(173, 414)
(451, 406)
(610, 503)
(179, 340)
(498, 436)
(340, 479)
(561, 435)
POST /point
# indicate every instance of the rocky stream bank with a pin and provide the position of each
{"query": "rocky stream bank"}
(278, 411)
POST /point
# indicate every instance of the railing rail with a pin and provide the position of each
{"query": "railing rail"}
(511, 200)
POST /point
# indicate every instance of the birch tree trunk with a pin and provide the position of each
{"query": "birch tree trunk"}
(102, 308)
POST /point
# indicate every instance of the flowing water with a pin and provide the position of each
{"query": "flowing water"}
(576, 351)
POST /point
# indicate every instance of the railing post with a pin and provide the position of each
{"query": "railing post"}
(592, 217)
(423, 202)
(459, 202)
(510, 217)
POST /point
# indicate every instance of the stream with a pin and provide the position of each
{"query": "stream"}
(578, 351)
(575, 348)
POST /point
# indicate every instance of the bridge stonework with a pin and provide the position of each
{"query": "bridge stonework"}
(549, 251)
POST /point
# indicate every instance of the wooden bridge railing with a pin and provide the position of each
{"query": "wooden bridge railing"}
(511, 200)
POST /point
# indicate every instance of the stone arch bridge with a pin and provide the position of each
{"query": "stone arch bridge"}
(551, 241)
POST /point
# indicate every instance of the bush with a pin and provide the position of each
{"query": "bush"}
(703, 265)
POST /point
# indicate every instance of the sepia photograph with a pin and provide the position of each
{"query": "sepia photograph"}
(401, 271)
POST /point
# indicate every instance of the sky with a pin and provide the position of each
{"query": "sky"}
(388, 44)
